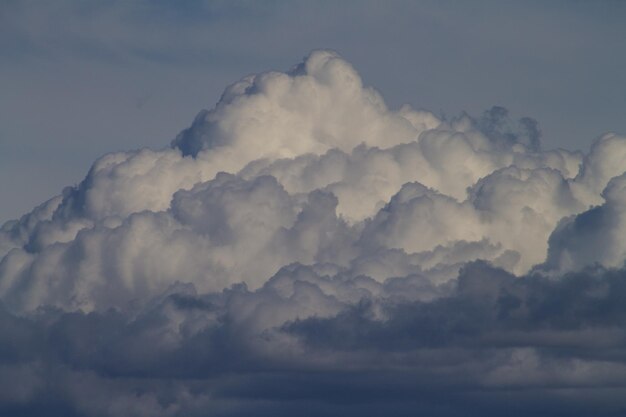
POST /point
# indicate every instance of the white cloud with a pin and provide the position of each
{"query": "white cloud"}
(301, 219)
(397, 180)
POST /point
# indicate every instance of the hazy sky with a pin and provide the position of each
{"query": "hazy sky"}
(79, 79)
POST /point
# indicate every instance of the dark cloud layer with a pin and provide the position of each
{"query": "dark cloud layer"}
(553, 347)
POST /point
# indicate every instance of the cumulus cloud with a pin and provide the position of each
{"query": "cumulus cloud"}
(303, 245)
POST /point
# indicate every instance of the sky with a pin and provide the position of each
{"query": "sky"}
(317, 209)
(80, 79)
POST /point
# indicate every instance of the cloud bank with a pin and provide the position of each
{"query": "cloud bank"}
(303, 248)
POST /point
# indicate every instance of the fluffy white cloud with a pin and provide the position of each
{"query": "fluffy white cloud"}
(320, 170)
(302, 224)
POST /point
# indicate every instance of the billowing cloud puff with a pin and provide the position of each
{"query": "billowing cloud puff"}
(303, 245)
(319, 105)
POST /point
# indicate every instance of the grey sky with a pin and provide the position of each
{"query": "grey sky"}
(79, 79)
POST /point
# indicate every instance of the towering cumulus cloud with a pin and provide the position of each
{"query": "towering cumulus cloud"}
(302, 249)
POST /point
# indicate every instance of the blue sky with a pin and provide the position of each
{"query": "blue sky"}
(80, 79)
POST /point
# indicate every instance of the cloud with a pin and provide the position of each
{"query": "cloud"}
(303, 246)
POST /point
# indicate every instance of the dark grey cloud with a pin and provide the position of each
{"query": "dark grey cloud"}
(492, 338)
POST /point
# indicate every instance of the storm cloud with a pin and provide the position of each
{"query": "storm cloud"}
(303, 249)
